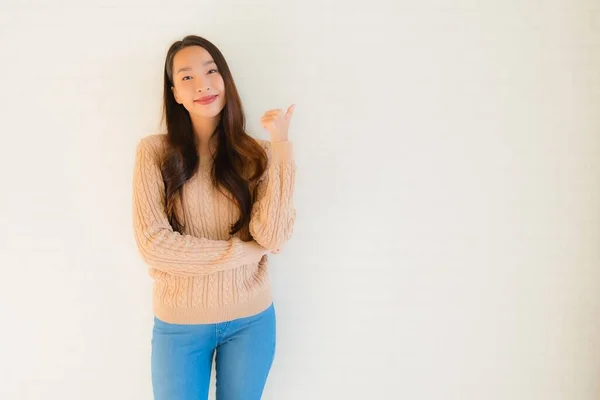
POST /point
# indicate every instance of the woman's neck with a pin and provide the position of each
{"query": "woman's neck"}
(203, 130)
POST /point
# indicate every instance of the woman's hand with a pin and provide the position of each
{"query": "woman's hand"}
(277, 123)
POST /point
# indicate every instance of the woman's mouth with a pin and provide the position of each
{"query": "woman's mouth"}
(206, 99)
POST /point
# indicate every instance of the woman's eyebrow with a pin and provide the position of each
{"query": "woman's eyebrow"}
(205, 63)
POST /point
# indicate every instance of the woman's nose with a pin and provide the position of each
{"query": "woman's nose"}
(202, 87)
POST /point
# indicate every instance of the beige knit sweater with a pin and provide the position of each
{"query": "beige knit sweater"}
(205, 275)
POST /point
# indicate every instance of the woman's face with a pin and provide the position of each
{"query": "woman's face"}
(195, 76)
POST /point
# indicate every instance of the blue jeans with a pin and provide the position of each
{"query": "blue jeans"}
(182, 358)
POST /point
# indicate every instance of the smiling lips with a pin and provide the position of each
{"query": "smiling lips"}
(206, 99)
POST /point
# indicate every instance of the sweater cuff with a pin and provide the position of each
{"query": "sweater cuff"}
(283, 151)
(253, 252)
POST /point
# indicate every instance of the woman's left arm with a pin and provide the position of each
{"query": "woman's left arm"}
(273, 212)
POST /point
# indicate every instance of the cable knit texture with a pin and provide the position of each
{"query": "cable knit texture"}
(203, 274)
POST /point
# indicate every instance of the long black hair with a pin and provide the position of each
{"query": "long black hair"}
(239, 159)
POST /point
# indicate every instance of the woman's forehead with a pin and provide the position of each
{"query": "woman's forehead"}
(192, 56)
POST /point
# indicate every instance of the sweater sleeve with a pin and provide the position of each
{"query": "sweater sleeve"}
(167, 250)
(273, 212)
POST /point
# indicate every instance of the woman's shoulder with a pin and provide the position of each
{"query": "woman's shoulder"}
(153, 140)
(265, 144)
(153, 143)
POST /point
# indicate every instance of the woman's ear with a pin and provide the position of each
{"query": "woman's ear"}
(175, 94)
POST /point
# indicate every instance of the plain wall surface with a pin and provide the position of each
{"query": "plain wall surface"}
(447, 244)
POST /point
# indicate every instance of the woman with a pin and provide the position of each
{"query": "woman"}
(209, 204)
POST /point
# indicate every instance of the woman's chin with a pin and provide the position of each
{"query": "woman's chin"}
(205, 113)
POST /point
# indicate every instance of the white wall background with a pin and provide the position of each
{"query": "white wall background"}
(448, 235)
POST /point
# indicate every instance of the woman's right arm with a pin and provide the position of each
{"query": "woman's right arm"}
(169, 251)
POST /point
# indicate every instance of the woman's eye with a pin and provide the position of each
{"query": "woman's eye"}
(212, 70)
(183, 79)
